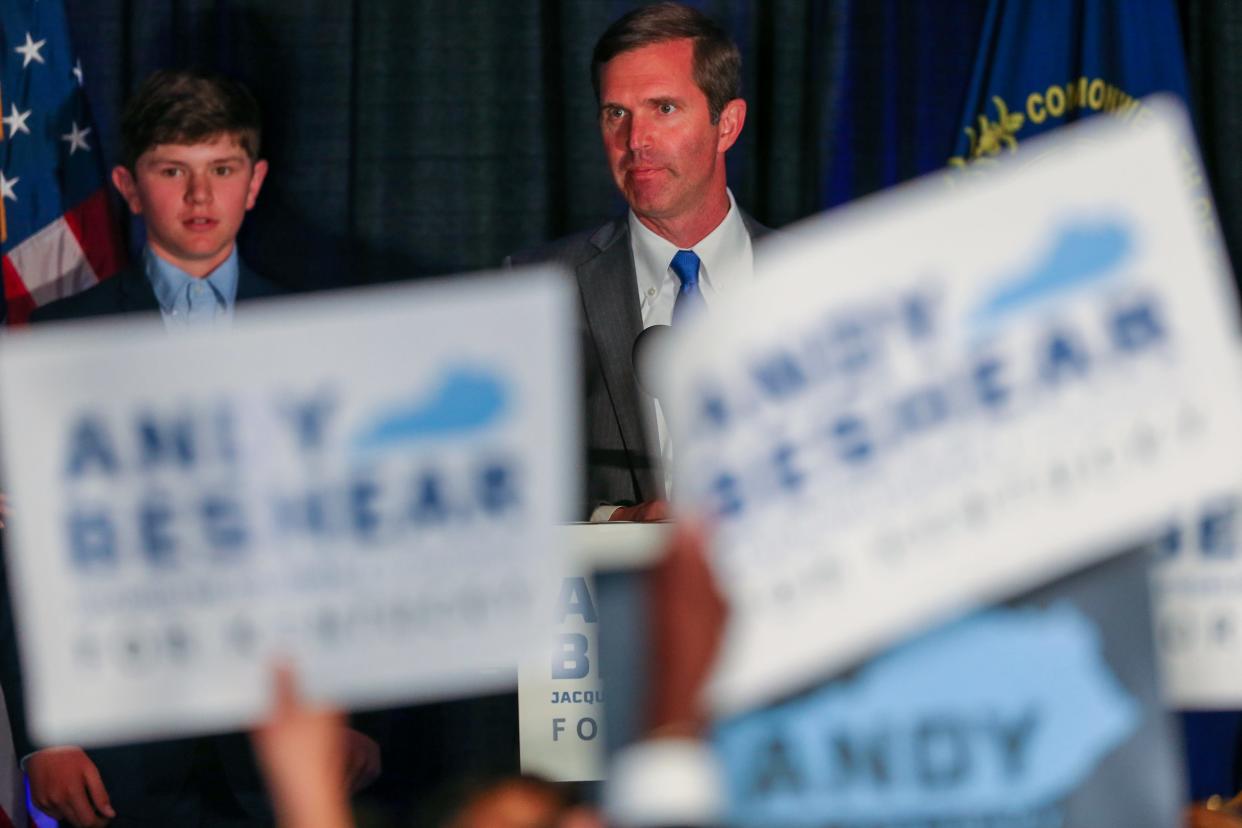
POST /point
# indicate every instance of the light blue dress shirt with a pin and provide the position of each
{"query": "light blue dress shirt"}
(187, 302)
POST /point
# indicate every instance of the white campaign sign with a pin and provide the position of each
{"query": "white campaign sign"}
(561, 694)
(364, 483)
(560, 689)
(1197, 602)
(949, 394)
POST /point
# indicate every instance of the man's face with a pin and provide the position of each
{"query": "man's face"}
(193, 198)
(666, 155)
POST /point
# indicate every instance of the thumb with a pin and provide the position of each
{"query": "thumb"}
(285, 688)
(98, 793)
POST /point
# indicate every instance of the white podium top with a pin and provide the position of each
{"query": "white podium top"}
(616, 544)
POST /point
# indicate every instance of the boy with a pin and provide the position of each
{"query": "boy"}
(191, 170)
(190, 147)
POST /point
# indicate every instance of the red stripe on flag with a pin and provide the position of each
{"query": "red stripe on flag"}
(92, 225)
(19, 301)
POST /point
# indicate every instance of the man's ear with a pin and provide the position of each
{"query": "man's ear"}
(124, 182)
(729, 127)
(257, 174)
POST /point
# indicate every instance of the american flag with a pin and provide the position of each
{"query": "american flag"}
(55, 229)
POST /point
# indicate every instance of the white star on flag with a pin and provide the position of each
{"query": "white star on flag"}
(77, 70)
(30, 50)
(16, 121)
(6, 187)
(77, 139)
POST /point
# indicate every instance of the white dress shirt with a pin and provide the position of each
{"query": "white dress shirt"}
(726, 256)
(726, 263)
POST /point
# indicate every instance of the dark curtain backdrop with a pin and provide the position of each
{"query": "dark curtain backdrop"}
(416, 138)
(1213, 33)
(412, 138)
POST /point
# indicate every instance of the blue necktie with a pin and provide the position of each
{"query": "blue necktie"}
(689, 298)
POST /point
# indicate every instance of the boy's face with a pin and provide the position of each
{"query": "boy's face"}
(193, 198)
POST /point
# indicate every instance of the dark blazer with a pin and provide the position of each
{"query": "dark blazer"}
(147, 780)
(622, 464)
(130, 292)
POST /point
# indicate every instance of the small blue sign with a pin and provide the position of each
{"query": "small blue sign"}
(1004, 713)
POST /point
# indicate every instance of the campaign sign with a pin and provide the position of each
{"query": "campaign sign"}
(1042, 712)
(366, 484)
(1197, 590)
(561, 694)
(561, 713)
(948, 394)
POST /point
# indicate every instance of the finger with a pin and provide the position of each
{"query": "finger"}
(285, 686)
(657, 510)
(623, 513)
(79, 809)
(370, 761)
(370, 770)
(353, 776)
(362, 781)
(98, 793)
(348, 765)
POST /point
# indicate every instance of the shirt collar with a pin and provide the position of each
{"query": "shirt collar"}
(718, 252)
(171, 284)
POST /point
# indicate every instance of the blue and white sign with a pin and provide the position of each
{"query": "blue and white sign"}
(908, 737)
(561, 688)
(944, 396)
(365, 483)
(1197, 599)
(1043, 713)
(561, 692)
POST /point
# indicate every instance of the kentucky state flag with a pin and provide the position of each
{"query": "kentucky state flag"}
(55, 230)
(1042, 63)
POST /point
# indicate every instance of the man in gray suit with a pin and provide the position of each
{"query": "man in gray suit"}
(668, 81)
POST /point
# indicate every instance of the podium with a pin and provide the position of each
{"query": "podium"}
(562, 713)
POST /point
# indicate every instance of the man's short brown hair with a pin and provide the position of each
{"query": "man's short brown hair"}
(717, 61)
(182, 106)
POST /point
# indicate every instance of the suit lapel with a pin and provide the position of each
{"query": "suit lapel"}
(610, 300)
(251, 285)
(136, 294)
(609, 292)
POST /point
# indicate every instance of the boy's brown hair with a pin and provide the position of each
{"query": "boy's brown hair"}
(181, 106)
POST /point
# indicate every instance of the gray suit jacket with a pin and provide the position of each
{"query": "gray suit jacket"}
(622, 462)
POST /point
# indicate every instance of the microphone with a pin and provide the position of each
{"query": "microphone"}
(650, 349)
